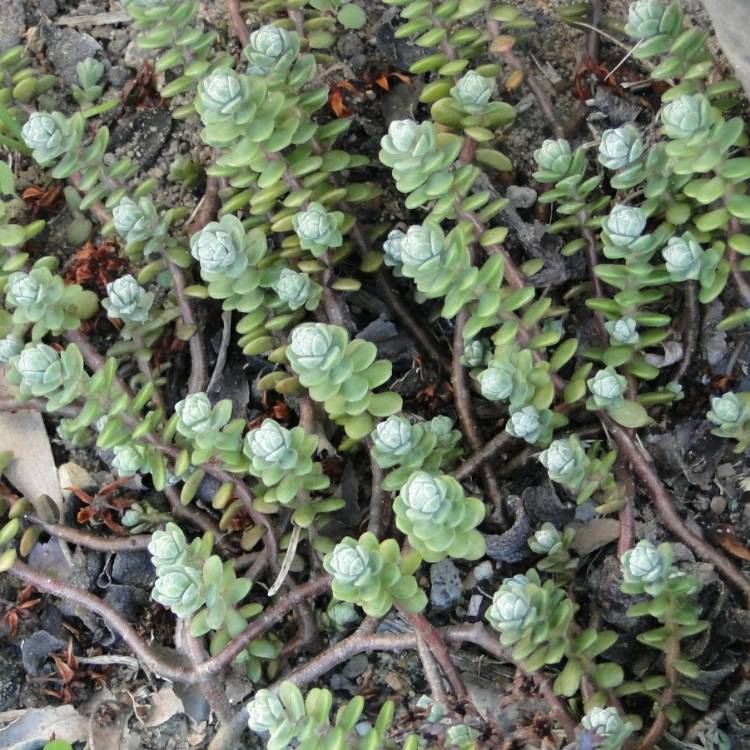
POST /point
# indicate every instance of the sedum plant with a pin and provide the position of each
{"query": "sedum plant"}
(370, 574)
(438, 519)
(731, 415)
(398, 443)
(287, 718)
(341, 374)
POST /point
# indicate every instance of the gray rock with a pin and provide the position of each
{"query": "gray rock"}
(730, 22)
(134, 569)
(66, 48)
(118, 76)
(521, 197)
(483, 571)
(355, 666)
(143, 135)
(12, 23)
(48, 7)
(10, 678)
(445, 589)
(36, 648)
(127, 600)
(136, 56)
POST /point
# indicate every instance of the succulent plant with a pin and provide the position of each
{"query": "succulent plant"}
(687, 116)
(281, 459)
(288, 718)
(554, 159)
(624, 227)
(272, 51)
(136, 222)
(318, 229)
(610, 729)
(220, 248)
(127, 300)
(341, 374)
(392, 248)
(225, 105)
(474, 354)
(530, 424)
(512, 609)
(644, 18)
(474, 92)
(647, 566)
(620, 147)
(206, 426)
(40, 371)
(554, 545)
(369, 574)
(607, 387)
(398, 443)
(731, 415)
(180, 590)
(439, 520)
(497, 381)
(47, 135)
(683, 256)
(623, 331)
(10, 346)
(566, 462)
(130, 459)
(297, 290)
(43, 298)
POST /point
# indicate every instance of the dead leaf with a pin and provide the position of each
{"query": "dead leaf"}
(672, 354)
(725, 536)
(164, 705)
(37, 725)
(33, 469)
(594, 534)
(108, 724)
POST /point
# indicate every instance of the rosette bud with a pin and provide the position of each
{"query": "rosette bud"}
(474, 92)
(620, 147)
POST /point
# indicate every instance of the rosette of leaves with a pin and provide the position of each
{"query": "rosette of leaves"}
(468, 106)
(584, 472)
(44, 299)
(421, 160)
(282, 460)
(537, 620)
(89, 88)
(127, 300)
(555, 546)
(139, 224)
(195, 584)
(296, 290)
(341, 374)
(608, 728)
(209, 429)
(143, 517)
(49, 136)
(431, 445)
(607, 389)
(374, 576)
(648, 569)
(40, 371)
(271, 52)
(731, 415)
(686, 260)
(287, 718)
(440, 266)
(533, 425)
(438, 519)
(659, 29)
(512, 375)
(229, 259)
(317, 229)
(10, 346)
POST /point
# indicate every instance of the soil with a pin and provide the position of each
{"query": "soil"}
(713, 485)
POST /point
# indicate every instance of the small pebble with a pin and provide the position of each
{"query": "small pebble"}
(445, 588)
(718, 505)
(484, 571)
(475, 606)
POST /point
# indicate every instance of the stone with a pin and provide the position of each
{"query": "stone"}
(67, 47)
(484, 571)
(355, 666)
(12, 23)
(134, 569)
(36, 648)
(729, 18)
(445, 588)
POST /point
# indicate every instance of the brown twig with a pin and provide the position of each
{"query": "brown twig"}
(478, 458)
(434, 641)
(692, 321)
(379, 508)
(627, 512)
(669, 516)
(238, 22)
(198, 368)
(91, 541)
(209, 203)
(35, 404)
(659, 726)
(743, 286)
(462, 400)
(431, 673)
